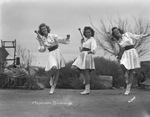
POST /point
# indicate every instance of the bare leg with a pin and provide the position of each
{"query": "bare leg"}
(54, 79)
(49, 75)
(87, 82)
(131, 76)
(127, 77)
(126, 73)
(129, 83)
(81, 77)
(86, 75)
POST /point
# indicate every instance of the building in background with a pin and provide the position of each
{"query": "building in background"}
(3, 55)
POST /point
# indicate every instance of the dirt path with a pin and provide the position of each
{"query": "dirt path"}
(69, 103)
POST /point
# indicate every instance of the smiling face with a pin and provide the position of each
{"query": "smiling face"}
(117, 33)
(44, 30)
(88, 33)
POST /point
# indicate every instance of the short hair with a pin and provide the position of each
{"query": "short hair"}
(114, 35)
(40, 26)
(88, 28)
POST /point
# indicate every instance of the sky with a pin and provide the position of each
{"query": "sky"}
(19, 19)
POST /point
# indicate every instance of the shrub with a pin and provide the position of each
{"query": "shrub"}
(69, 78)
(44, 80)
(4, 80)
(32, 81)
(41, 71)
(110, 68)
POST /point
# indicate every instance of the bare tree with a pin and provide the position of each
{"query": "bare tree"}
(134, 25)
(26, 56)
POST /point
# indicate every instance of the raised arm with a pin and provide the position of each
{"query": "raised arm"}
(135, 36)
(40, 38)
(41, 47)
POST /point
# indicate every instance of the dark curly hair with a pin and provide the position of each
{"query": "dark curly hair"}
(114, 35)
(88, 28)
(40, 31)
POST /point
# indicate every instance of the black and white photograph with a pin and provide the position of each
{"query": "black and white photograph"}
(74, 58)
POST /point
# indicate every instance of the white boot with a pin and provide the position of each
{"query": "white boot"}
(52, 89)
(127, 92)
(87, 90)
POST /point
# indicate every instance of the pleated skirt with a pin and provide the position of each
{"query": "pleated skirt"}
(84, 61)
(55, 58)
(130, 59)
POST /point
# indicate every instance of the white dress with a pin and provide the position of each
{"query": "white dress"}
(55, 57)
(130, 58)
(85, 60)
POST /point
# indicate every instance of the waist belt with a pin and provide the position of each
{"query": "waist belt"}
(53, 48)
(128, 47)
(86, 49)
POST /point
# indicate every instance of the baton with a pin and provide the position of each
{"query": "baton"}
(80, 32)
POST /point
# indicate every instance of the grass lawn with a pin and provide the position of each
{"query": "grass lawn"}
(69, 103)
